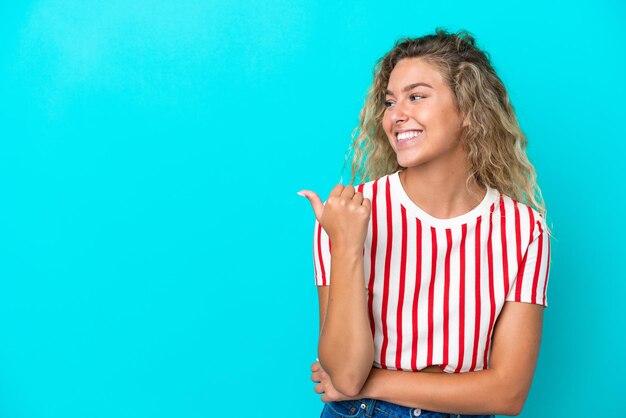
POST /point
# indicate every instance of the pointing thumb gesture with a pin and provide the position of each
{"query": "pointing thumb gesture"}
(344, 217)
(316, 202)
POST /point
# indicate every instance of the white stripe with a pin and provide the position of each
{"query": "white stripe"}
(394, 285)
(409, 292)
(455, 289)
(422, 304)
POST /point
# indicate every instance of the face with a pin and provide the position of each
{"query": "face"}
(421, 120)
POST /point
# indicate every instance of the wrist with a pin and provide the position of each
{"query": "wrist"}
(347, 251)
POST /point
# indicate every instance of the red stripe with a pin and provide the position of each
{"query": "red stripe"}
(401, 291)
(518, 234)
(418, 281)
(389, 227)
(359, 189)
(492, 302)
(319, 253)
(477, 258)
(545, 282)
(315, 252)
(531, 216)
(462, 302)
(518, 248)
(519, 279)
(370, 284)
(431, 296)
(446, 298)
(537, 263)
(505, 253)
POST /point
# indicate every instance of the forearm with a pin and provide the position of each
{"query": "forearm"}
(480, 392)
(346, 348)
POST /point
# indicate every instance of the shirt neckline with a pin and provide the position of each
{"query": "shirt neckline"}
(483, 207)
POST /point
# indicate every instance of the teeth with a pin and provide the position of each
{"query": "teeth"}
(408, 135)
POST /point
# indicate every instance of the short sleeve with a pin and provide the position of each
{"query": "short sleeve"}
(321, 255)
(531, 282)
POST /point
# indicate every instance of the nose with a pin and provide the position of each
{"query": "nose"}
(398, 115)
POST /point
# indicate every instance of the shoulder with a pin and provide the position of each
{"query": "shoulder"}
(521, 216)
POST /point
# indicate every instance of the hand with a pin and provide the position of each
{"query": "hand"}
(344, 217)
(325, 386)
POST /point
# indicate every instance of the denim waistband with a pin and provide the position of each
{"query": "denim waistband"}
(378, 408)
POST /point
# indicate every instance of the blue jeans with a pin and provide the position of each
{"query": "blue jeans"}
(380, 409)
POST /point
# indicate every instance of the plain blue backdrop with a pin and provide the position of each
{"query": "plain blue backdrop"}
(155, 260)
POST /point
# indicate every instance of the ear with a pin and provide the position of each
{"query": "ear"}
(466, 122)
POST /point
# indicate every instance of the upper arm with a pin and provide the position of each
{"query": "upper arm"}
(515, 345)
(321, 264)
(322, 294)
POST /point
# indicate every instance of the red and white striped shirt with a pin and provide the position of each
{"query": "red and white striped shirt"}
(436, 286)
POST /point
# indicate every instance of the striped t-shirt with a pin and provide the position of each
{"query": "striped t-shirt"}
(436, 286)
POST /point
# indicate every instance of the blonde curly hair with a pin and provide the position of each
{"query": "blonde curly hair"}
(493, 140)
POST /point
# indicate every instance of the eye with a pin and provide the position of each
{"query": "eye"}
(388, 103)
(415, 97)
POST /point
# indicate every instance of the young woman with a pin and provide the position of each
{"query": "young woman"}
(432, 278)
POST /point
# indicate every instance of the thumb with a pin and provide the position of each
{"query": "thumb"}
(316, 202)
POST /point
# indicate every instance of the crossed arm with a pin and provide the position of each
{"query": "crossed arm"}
(501, 389)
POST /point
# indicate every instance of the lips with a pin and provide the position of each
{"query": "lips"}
(405, 135)
(407, 138)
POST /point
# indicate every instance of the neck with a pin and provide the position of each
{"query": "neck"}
(442, 192)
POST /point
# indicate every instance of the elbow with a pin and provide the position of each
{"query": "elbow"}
(513, 404)
(510, 394)
(349, 374)
(348, 385)
(348, 379)
(512, 410)
(516, 406)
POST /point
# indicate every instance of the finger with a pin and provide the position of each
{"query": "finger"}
(315, 366)
(358, 198)
(316, 376)
(319, 388)
(348, 192)
(336, 191)
(367, 203)
(316, 202)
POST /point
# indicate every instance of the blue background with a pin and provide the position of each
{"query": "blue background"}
(155, 260)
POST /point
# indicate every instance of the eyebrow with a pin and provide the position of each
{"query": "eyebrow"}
(410, 87)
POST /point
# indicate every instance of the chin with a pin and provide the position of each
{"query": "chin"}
(409, 162)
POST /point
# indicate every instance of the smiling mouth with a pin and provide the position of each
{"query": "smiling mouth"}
(405, 136)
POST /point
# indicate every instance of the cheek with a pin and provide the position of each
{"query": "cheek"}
(387, 125)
